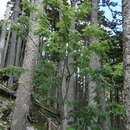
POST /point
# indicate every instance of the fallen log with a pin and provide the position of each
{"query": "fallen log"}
(49, 112)
(7, 92)
(10, 93)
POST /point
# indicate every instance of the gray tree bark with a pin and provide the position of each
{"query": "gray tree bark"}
(18, 51)
(68, 87)
(94, 60)
(5, 52)
(2, 42)
(126, 58)
(13, 38)
(94, 88)
(3, 35)
(23, 100)
(68, 84)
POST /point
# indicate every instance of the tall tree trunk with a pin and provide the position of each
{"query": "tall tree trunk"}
(126, 47)
(68, 84)
(5, 52)
(95, 59)
(3, 35)
(2, 42)
(23, 100)
(13, 42)
(13, 39)
(18, 51)
(95, 63)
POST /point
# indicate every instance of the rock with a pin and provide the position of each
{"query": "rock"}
(30, 128)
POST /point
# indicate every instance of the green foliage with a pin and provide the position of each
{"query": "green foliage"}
(21, 26)
(54, 47)
(24, 20)
(18, 28)
(86, 118)
(100, 47)
(11, 70)
(27, 7)
(115, 70)
(83, 10)
(118, 70)
(44, 26)
(44, 77)
(93, 31)
(116, 109)
(62, 42)
(113, 74)
(52, 3)
(70, 129)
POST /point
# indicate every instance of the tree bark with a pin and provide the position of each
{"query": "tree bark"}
(5, 52)
(23, 100)
(68, 87)
(95, 63)
(68, 84)
(126, 58)
(13, 38)
(2, 42)
(3, 36)
(95, 59)
(18, 51)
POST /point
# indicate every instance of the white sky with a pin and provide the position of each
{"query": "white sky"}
(2, 8)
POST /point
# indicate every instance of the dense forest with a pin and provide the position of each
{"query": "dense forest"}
(64, 65)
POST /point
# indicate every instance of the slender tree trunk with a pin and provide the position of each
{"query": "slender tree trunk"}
(2, 42)
(95, 59)
(23, 100)
(92, 85)
(126, 47)
(13, 42)
(13, 39)
(18, 51)
(3, 36)
(68, 84)
(21, 58)
(95, 63)
(5, 52)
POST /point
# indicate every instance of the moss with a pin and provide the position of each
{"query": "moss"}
(39, 126)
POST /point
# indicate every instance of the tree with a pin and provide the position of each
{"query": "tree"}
(126, 59)
(79, 64)
(68, 84)
(94, 87)
(23, 100)
(3, 36)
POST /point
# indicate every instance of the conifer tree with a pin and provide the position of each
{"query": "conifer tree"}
(25, 88)
(126, 47)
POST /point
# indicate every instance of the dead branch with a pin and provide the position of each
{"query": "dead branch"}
(7, 92)
(50, 113)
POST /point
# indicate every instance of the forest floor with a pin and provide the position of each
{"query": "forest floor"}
(6, 106)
